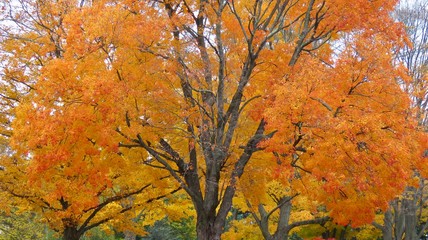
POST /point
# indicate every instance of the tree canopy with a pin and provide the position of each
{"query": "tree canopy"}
(119, 103)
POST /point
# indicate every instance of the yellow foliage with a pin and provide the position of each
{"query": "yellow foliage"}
(242, 230)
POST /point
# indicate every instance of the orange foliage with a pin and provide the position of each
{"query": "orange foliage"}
(124, 89)
(345, 123)
(67, 161)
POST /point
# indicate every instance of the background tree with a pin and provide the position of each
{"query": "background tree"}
(293, 212)
(348, 119)
(273, 205)
(405, 217)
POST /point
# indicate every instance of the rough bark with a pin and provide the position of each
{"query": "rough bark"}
(409, 219)
(388, 226)
(71, 233)
(401, 220)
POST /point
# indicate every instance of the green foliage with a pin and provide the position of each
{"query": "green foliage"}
(172, 230)
(310, 231)
(98, 234)
(295, 236)
(20, 226)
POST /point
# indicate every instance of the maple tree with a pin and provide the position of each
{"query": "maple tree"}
(129, 95)
(65, 162)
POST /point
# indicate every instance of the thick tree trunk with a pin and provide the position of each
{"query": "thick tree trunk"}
(71, 233)
(205, 230)
(206, 233)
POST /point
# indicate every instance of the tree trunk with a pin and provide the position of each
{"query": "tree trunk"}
(283, 227)
(388, 226)
(409, 219)
(205, 230)
(71, 233)
(398, 219)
